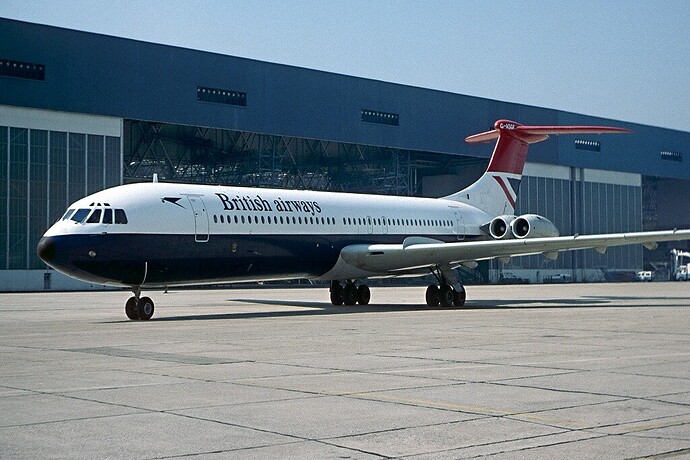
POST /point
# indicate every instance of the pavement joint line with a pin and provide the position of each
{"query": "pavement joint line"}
(573, 391)
(297, 437)
(120, 352)
(637, 374)
(345, 393)
(535, 365)
(654, 399)
(478, 410)
(521, 449)
(671, 454)
(75, 419)
(640, 426)
(173, 412)
(377, 396)
(138, 408)
(506, 441)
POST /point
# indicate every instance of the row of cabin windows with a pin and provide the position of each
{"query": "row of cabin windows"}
(299, 220)
(398, 222)
(275, 220)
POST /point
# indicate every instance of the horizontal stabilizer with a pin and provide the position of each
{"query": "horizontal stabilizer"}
(532, 134)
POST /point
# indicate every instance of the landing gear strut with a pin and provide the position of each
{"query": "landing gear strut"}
(448, 293)
(350, 294)
(138, 307)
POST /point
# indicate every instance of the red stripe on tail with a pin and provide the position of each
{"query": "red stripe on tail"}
(503, 185)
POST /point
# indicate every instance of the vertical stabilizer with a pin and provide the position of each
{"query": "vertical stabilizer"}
(496, 191)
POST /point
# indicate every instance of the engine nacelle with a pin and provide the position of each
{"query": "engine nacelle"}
(499, 227)
(533, 226)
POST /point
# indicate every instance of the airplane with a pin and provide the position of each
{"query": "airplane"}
(155, 234)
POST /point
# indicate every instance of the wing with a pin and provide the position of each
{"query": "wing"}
(416, 255)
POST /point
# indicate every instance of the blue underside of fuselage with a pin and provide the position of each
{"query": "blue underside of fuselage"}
(159, 260)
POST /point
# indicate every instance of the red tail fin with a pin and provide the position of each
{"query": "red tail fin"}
(510, 152)
(496, 191)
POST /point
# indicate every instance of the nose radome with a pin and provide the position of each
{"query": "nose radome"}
(46, 249)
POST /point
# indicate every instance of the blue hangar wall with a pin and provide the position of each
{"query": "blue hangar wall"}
(102, 75)
(69, 98)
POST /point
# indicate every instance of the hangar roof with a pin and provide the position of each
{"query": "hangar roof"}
(73, 71)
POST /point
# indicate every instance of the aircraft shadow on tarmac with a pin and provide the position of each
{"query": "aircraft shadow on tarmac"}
(308, 308)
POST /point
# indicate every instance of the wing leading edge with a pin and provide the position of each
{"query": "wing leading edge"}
(399, 259)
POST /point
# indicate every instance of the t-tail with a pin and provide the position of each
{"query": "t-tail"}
(496, 191)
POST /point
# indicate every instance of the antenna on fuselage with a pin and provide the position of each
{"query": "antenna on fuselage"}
(155, 178)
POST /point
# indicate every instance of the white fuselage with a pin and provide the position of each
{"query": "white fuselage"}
(186, 234)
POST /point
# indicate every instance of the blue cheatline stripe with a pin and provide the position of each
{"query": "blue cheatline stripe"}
(127, 259)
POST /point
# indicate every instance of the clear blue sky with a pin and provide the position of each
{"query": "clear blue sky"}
(622, 59)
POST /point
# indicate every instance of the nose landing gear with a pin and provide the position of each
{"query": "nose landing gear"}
(138, 307)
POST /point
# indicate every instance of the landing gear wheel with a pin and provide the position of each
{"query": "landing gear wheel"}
(131, 308)
(145, 308)
(337, 295)
(363, 294)
(350, 294)
(459, 297)
(446, 296)
(432, 296)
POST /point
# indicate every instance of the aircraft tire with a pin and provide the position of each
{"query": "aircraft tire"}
(337, 296)
(432, 293)
(459, 297)
(145, 308)
(350, 294)
(363, 294)
(131, 308)
(446, 296)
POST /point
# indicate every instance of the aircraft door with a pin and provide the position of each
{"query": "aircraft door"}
(200, 219)
(459, 226)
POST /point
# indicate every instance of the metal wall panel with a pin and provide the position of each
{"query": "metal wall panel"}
(98, 74)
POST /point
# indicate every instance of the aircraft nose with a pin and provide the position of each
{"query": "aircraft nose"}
(46, 249)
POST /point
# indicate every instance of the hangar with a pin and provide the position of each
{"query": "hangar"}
(80, 112)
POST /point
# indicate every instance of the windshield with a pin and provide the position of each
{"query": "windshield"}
(96, 216)
(80, 215)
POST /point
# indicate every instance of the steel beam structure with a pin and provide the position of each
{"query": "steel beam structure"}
(217, 156)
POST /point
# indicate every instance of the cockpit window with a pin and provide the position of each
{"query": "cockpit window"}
(95, 217)
(68, 214)
(80, 215)
(107, 216)
(120, 216)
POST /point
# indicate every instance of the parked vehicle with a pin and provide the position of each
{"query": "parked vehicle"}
(644, 276)
(560, 278)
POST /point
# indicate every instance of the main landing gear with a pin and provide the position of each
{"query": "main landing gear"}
(445, 296)
(138, 307)
(350, 294)
(448, 293)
